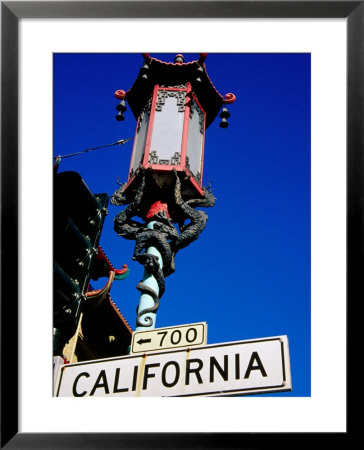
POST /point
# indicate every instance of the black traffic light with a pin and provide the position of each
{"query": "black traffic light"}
(78, 220)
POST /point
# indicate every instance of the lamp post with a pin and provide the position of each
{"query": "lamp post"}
(173, 103)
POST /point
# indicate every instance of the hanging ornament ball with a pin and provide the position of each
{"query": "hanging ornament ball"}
(121, 107)
(224, 123)
(119, 117)
(224, 115)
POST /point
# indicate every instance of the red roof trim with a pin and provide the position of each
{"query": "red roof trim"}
(100, 295)
(101, 256)
(173, 63)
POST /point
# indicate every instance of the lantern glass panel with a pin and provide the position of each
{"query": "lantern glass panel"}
(140, 139)
(195, 140)
(166, 142)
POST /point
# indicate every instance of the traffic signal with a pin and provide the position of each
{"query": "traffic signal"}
(78, 220)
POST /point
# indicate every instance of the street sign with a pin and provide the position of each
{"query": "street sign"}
(231, 368)
(169, 337)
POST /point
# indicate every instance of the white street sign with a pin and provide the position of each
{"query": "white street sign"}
(169, 338)
(231, 368)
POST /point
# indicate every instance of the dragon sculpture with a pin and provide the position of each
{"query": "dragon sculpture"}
(162, 233)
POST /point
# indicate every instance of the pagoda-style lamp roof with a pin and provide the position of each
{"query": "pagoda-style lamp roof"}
(177, 73)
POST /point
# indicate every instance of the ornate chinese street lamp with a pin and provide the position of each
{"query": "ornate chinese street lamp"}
(173, 103)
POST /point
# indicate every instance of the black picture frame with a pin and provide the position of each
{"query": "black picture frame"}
(11, 12)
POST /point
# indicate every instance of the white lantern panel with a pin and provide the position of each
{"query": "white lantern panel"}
(195, 140)
(140, 140)
(166, 139)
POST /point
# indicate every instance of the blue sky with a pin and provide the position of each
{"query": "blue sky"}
(248, 274)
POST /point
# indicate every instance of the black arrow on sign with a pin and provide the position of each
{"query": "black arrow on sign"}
(143, 341)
